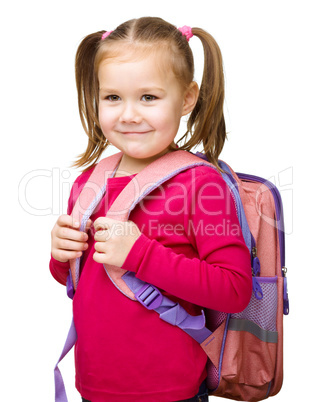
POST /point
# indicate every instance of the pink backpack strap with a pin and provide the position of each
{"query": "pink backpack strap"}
(90, 196)
(139, 187)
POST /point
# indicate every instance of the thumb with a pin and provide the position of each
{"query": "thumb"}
(103, 223)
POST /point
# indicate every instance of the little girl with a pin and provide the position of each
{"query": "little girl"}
(134, 85)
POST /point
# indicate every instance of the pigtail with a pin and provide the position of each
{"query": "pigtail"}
(206, 123)
(87, 90)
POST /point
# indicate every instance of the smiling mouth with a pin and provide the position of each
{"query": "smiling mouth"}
(134, 132)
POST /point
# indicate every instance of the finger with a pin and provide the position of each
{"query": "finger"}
(68, 245)
(104, 223)
(102, 235)
(64, 255)
(72, 234)
(67, 220)
(100, 258)
(100, 247)
(100, 224)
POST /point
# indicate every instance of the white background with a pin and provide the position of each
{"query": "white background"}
(265, 46)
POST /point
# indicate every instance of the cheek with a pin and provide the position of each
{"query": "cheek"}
(106, 118)
(101, 114)
(161, 117)
(168, 119)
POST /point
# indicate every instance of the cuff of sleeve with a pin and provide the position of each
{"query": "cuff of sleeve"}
(59, 270)
(62, 265)
(136, 254)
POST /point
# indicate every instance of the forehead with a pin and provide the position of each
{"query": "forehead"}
(140, 63)
(127, 50)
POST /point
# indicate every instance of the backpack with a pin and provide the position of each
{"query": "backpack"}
(245, 350)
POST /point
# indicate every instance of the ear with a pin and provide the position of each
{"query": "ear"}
(190, 98)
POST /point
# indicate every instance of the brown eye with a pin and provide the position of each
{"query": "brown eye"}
(148, 98)
(113, 98)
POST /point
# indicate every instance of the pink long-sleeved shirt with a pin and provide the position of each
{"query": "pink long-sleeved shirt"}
(192, 248)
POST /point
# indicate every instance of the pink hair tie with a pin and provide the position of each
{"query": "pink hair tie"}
(186, 31)
(105, 35)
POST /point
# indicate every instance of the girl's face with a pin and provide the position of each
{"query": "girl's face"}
(140, 106)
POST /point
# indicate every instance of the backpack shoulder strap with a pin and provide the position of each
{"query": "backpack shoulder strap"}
(91, 194)
(151, 177)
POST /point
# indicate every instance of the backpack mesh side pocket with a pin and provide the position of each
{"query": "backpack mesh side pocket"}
(249, 348)
(262, 312)
(253, 332)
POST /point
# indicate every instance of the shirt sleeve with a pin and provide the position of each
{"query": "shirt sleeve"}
(220, 277)
(60, 270)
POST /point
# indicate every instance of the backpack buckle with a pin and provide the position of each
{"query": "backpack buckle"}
(149, 296)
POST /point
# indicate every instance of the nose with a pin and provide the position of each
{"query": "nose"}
(130, 113)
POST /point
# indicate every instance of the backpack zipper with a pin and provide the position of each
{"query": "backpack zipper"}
(278, 207)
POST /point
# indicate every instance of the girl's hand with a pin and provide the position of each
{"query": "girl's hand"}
(114, 240)
(67, 240)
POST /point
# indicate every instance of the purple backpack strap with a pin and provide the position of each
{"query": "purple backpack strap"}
(173, 313)
(60, 392)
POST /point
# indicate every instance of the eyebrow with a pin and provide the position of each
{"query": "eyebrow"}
(144, 90)
(151, 89)
(109, 90)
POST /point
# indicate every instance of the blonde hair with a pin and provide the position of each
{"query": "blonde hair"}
(206, 124)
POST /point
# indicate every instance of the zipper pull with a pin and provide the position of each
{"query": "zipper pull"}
(286, 304)
(256, 266)
(255, 262)
(258, 292)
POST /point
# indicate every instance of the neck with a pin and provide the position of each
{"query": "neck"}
(129, 166)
